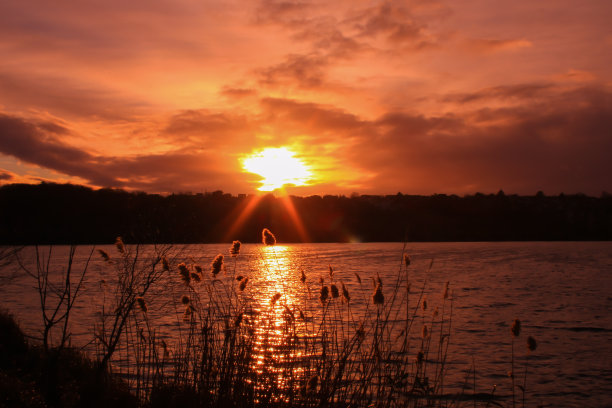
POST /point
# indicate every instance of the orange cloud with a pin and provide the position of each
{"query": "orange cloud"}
(378, 97)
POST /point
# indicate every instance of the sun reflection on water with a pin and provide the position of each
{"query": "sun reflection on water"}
(275, 324)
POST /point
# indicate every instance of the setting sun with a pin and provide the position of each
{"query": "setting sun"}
(278, 167)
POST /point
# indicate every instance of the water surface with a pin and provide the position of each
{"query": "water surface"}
(559, 290)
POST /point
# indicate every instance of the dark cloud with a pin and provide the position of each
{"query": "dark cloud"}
(68, 97)
(238, 93)
(32, 142)
(398, 124)
(334, 39)
(288, 13)
(519, 91)
(206, 130)
(335, 36)
(307, 24)
(6, 175)
(173, 172)
(325, 36)
(561, 144)
(310, 117)
(304, 71)
(396, 24)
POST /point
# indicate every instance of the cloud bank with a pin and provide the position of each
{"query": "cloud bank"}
(411, 96)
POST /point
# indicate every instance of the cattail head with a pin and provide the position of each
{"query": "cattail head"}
(419, 357)
(228, 332)
(303, 276)
(235, 248)
(302, 316)
(360, 332)
(531, 344)
(275, 298)
(119, 244)
(184, 273)
(142, 304)
(358, 277)
(378, 298)
(185, 300)
(345, 293)
(198, 269)
(104, 255)
(424, 305)
(165, 263)
(239, 277)
(516, 328)
(243, 283)
(311, 385)
(446, 290)
(216, 265)
(424, 333)
(334, 291)
(324, 294)
(406, 259)
(268, 237)
(331, 272)
(435, 313)
(238, 319)
(321, 280)
(196, 277)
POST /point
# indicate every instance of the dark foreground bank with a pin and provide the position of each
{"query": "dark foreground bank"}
(31, 377)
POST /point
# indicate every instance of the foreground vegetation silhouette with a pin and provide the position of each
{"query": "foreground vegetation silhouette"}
(229, 349)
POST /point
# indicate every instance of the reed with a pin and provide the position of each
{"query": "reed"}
(228, 349)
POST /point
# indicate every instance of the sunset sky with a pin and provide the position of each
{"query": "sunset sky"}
(373, 97)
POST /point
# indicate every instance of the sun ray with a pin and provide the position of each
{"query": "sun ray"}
(295, 218)
(241, 217)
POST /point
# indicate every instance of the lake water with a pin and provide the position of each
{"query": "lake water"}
(561, 292)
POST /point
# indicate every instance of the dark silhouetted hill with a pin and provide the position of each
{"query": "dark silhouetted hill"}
(64, 213)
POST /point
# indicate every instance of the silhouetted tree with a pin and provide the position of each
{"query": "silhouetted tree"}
(70, 214)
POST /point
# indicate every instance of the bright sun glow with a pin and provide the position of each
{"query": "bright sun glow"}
(278, 166)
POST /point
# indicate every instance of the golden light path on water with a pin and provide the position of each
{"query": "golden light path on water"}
(275, 322)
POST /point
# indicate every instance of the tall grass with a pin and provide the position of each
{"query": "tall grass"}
(230, 349)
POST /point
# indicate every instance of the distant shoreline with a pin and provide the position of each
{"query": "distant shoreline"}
(64, 214)
(308, 243)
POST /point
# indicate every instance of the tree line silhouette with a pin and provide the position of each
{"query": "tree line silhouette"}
(50, 213)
